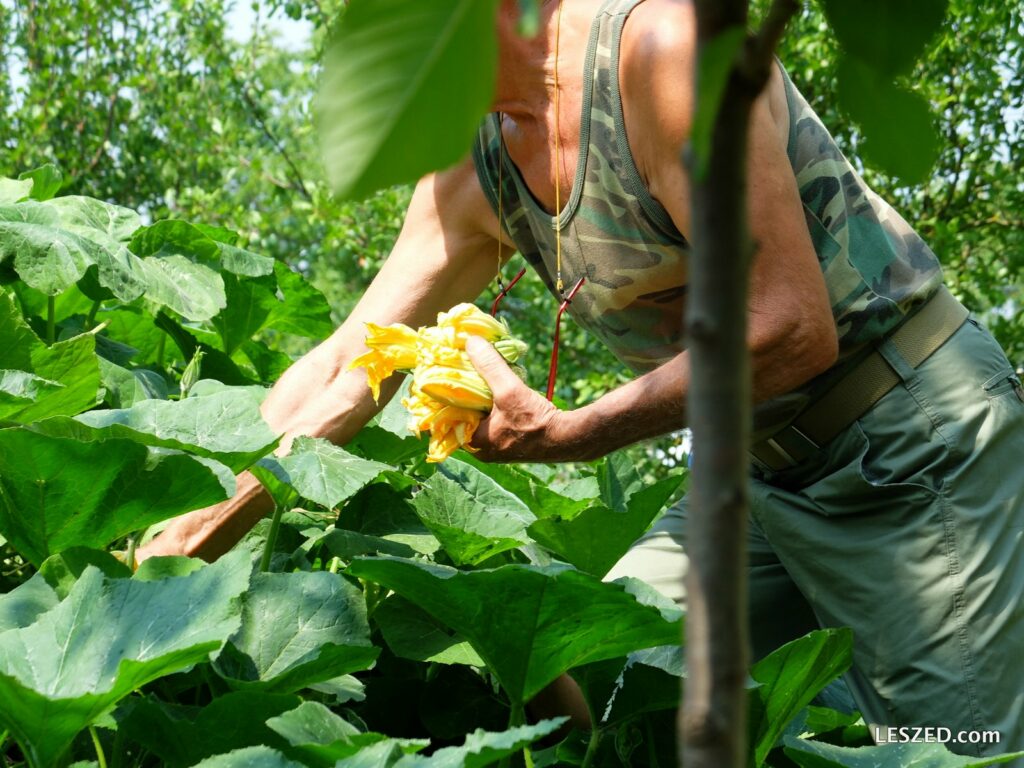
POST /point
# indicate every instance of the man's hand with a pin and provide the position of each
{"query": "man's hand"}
(522, 425)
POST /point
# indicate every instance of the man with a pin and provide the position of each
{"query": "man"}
(897, 511)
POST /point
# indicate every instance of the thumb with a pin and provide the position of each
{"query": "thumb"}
(491, 365)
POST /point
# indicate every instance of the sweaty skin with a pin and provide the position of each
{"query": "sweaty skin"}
(445, 254)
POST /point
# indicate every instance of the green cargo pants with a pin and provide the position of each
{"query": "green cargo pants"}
(909, 528)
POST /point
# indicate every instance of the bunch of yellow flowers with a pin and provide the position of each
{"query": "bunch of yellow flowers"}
(447, 395)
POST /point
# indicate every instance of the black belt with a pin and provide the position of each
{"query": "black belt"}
(916, 338)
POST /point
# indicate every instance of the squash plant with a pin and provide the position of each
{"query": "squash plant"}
(392, 612)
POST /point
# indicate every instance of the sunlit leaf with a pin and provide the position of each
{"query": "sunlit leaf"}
(106, 639)
(398, 99)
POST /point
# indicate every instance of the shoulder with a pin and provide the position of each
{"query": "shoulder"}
(656, 69)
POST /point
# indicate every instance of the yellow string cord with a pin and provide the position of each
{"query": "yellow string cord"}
(559, 286)
(501, 167)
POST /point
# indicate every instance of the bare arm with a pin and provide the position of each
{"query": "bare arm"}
(791, 334)
(445, 254)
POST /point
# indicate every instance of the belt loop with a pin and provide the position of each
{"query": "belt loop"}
(892, 355)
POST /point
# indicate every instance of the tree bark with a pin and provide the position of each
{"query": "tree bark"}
(712, 718)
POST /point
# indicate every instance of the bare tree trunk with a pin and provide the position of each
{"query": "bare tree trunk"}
(712, 718)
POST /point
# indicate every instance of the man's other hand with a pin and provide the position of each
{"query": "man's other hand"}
(522, 425)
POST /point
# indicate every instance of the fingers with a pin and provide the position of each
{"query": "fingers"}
(492, 366)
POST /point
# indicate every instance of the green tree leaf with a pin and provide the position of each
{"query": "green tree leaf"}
(529, 624)
(412, 633)
(472, 516)
(106, 639)
(888, 35)
(898, 124)
(398, 98)
(57, 493)
(298, 629)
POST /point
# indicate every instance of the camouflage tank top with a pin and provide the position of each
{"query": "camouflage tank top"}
(622, 240)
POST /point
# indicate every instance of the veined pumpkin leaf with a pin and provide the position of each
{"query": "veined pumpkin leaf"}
(250, 757)
(301, 308)
(194, 291)
(13, 190)
(46, 181)
(818, 754)
(593, 540)
(398, 100)
(298, 629)
(181, 737)
(472, 516)
(326, 474)
(618, 690)
(414, 634)
(24, 604)
(106, 639)
(57, 493)
(529, 624)
(224, 425)
(46, 256)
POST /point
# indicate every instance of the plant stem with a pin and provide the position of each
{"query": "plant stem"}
(51, 319)
(100, 757)
(592, 745)
(335, 564)
(268, 548)
(160, 346)
(91, 320)
(129, 553)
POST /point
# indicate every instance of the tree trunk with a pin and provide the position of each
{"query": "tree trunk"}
(712, 718)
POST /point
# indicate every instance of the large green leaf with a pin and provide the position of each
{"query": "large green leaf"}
(322, 738)
(529, 624)
(790, 677)
(57, 493)
(898, 125)
(106, 639)
(817, 754)
(595, 539)
(249, 302)
(46, 256)
(194, 291)
(61, 379)
(175, 238)
(619, 690)
(398, 98)
(224, 425)
(472, 516)
(302, 309)
(381, 511)
(888, 35)
(538, 496)
(90, 217)
(23, 604)
(181, 737)
(298, 629)
(326, 474)
(412, 633)
(13, 190)
(250, 757)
